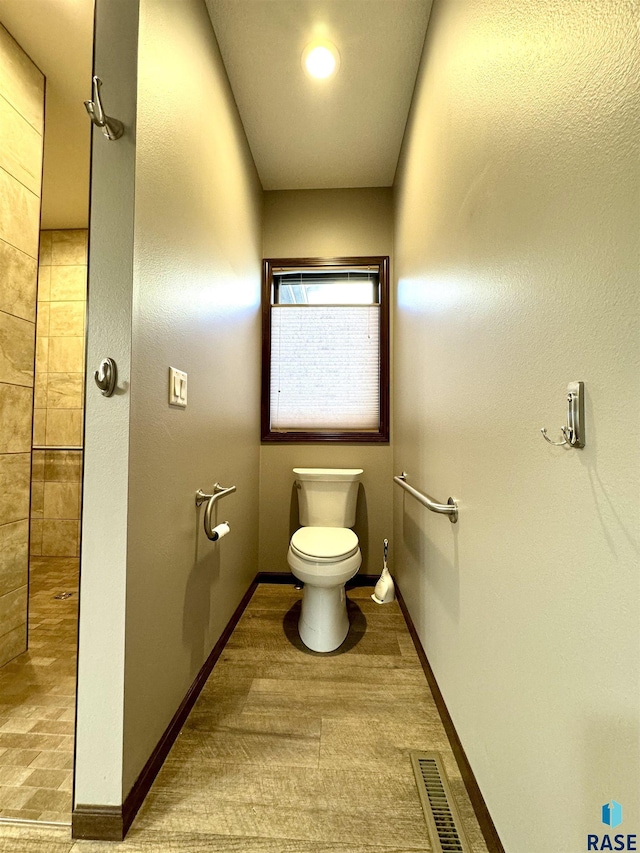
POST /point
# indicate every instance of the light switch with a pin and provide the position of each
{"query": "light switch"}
(177, 388)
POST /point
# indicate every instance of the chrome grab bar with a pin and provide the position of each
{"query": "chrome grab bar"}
(450, 508)
(218, 492)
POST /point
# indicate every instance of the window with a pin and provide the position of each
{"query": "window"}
(325, 353)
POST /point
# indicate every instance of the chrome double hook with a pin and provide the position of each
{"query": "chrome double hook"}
(111, 127)
(567, 432)
(573, 432)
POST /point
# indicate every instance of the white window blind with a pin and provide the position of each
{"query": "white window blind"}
(325, 367)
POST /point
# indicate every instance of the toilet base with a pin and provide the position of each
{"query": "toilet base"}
(323, 625)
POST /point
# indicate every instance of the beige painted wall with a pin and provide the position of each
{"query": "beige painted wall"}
(517, 262)
(196, 306)
(325, 223)
(101, 650)
(21, 121)
(182, 290)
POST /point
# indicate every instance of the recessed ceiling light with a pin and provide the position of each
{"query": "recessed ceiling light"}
(321, 60)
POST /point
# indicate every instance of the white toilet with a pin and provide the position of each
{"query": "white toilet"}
(324, 553)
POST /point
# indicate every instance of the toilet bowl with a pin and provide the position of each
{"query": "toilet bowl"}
(324, 559)
(324, 554)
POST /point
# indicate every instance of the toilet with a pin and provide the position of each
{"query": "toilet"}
(324, 553)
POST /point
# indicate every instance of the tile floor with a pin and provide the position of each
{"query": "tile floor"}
(287, 751)
(37, 701)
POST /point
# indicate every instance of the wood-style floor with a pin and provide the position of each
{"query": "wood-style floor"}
(287, 751)
(37, 700)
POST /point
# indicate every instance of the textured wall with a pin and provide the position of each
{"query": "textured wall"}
(99, 721)
(21, 120)
(196, 306)
(182, 290)
(517, 264)
(325, 223)
(59, 393)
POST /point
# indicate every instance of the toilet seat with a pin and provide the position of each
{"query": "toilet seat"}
(324, 544)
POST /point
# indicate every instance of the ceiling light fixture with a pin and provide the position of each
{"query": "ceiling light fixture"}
(321, 59)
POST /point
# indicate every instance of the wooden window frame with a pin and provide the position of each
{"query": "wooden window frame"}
(379, 436)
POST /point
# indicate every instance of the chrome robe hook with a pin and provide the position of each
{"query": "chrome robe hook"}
(106, 376)
(111, 127)
(573, 432)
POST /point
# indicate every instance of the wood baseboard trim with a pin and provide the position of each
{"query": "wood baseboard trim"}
(111, 823)
(275, 577)
(491, 837)
(100, 823)
(288, 578)
(362, 580)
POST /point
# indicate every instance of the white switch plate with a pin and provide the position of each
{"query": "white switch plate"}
(177, 388)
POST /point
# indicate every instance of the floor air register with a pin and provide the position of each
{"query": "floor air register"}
(440, 812)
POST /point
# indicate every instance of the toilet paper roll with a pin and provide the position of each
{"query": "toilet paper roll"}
(220, 530)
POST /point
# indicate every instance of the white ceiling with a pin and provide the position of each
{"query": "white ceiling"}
(344, 132)
(58, 36)
(305, 133)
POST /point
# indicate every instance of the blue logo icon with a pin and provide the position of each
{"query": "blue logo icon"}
(612, 814)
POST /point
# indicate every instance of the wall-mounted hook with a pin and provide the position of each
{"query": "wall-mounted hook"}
(111, 127)
(106, 376)
(573, 432)
(555, 443)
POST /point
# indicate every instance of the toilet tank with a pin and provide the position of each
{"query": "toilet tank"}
(327, 497)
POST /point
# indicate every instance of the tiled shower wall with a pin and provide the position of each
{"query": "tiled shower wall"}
(21, 120)
(59, 390)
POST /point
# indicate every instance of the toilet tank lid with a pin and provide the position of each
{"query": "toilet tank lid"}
(328, 474)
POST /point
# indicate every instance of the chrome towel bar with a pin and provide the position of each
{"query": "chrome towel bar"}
(450, 508)
(218, 492)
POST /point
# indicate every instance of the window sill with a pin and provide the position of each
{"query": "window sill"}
(322, 436)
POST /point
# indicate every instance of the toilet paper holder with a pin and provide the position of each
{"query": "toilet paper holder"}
(218, 492)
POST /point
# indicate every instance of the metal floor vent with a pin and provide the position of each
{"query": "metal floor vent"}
(438, 805)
